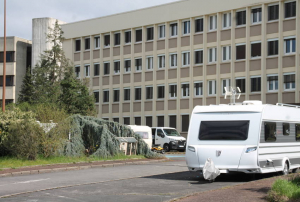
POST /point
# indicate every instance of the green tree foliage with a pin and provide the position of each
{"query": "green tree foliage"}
(27, 88)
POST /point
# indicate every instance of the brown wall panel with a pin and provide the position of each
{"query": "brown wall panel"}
(148, 106)
(76, 56)
(161, 45)
(255, 97)
(96, 81)
(137, 106)
(211, 69)
(211, 37)
(149, 46)
(197, 102)
(240, 33)
(127, 50)
(105, 109)
(272, 98)
(225, 68)
(126, 78)
(172, 104)
(198, 71)
(116, 51)
(116, 79)
(105, 80)
(137, 77)
(272, 28)
(106, 52)
(160, 75)
(289, 25)
(211, 101)
(137, 48)
(255, 65)
(172, 74)
(184, 72)
(272, 63)
(115, 108)
(255, 30)
(149, 76)
(288, 97)
(126, 107)
(96, 54)
(198, 39)
(185, 41)
(225, 35)
(184, 104)
(173, 43)
(289, 61)
(160, 105)
(240, 66)
(86, 55)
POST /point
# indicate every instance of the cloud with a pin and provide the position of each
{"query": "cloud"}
(20, 13)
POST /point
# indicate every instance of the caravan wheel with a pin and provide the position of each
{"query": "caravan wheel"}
(285, 169)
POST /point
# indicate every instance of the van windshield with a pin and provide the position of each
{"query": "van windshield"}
(171, 132)
(224, 130)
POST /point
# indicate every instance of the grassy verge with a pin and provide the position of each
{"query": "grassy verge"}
(285, 190)
(11, 162)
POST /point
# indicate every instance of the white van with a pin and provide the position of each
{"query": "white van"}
(249, 137)
(168, 138)
(144, 132)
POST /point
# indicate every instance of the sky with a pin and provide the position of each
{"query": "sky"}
(21, 12)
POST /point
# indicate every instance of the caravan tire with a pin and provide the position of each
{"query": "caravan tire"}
(285, 168)
(167, 147)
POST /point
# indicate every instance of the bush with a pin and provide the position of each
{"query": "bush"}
(23, 139)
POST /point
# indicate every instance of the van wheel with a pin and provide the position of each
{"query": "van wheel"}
(285, 169)
(166, 147)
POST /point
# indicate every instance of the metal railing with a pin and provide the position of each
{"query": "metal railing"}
(287, 105)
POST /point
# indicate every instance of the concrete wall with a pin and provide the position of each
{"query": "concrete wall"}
(40, 28)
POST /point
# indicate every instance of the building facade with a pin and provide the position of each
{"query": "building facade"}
(18, 59)
(152, 66)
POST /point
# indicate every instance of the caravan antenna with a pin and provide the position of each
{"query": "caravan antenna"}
(233, 93)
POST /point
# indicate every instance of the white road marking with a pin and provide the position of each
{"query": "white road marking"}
(30, 181)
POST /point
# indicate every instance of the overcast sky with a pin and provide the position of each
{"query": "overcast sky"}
(21, 12)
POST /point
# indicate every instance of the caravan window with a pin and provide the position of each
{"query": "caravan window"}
(297, 132)
(224, 130)
(143, 135)
(286, 129)
(270, 132)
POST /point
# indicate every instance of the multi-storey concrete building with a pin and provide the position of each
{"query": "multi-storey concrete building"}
(152, 66)
(18, 59)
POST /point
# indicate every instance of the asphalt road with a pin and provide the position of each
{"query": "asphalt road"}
(152, 182)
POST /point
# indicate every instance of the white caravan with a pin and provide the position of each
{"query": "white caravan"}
(249, 137)
(144, 132)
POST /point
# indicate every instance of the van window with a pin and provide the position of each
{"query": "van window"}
(171, 132)
(160, 133)
(297, 132)
(286, 129)
(270, 132)
(224, 130)
(143, 135)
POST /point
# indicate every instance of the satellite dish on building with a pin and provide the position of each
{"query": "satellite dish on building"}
(232, 93)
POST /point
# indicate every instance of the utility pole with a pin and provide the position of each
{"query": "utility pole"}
(4, 60)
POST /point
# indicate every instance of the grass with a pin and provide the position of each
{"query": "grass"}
(11, 162)
(285, 190)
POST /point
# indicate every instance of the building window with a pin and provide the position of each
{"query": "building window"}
(273, 47)
(9, 81)
(256, 15)
(172, 121)
(185, 120)
(160, 92)
(161, 32)
(185, 90)
(117, 67)
(289, 81)
(105, 96)
(173, 29)
(138, 35)
(96, 95)
(225, 84)
(241, 83)
(160, 121)
(149, 92)
(256, 84)
(289, 45)
(117, 39)
(226, 53)
(138, 93)
(212, 22)
(127, 66)
(127, 37)
(161, 61)
(138, 64)
(107, 40)
(116, 120)
(240, 51)
(137, 121)
(150, 33)
(186, 27)
(272, 82)
(226, 20)
(240, 18)
(273, 12)
(149, 121)
(97, 42)
(212, 87)
(126, 120)
(77, 71)
(10, 56)
(149, 63)
(185, 58)
(87, 70)
(290, 9)
(126, 94)
(198, 57)
(198, 89)
(212, 55)
(173, 60)
(77, 45)
(173, 91)
(96, 69)
(106, 69)
(199, 25)
(87, 43)
(116, 95)
(255, 49)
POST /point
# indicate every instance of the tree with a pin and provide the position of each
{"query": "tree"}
(27, 88)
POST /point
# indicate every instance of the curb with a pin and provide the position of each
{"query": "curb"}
(41, 171)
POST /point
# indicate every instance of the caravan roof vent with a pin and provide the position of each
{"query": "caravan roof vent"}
(252, 102)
